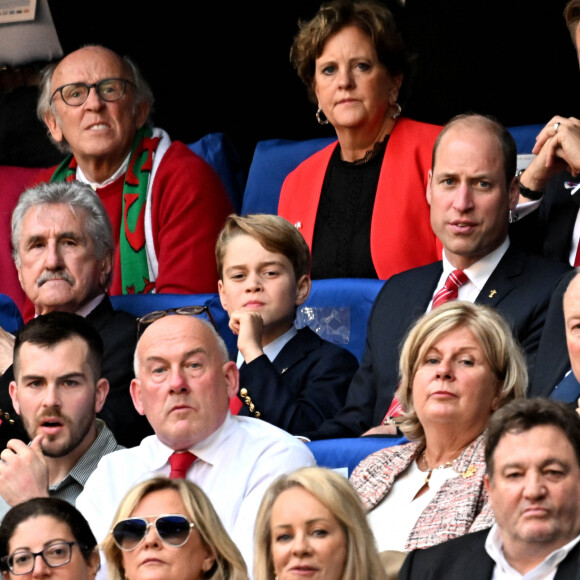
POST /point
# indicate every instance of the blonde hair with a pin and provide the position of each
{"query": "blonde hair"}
(500, 348)
(336, 493)
(229, 564)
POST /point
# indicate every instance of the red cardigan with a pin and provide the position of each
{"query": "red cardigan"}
(401, 234)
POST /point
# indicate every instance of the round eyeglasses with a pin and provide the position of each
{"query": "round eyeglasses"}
(54, 555)
(173, 529)
(110, 90)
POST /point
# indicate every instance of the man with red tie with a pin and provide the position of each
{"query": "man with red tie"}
(471, 189)
(184, 382)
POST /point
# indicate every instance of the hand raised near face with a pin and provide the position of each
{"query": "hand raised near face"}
(249, 326)
(23, 471)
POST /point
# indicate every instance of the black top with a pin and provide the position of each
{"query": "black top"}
(341, 246)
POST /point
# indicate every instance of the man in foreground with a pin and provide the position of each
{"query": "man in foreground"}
(533, 480)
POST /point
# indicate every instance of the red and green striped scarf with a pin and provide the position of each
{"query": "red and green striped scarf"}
(135, 276)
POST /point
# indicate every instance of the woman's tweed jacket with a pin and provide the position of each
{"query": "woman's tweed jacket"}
(460, 506)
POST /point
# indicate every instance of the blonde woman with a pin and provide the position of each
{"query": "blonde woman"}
(311, 523)
(169, 528)
(459, 364)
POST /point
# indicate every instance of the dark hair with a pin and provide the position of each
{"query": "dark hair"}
(490, 124)
(373, 18)
(48, 330)
(524, 414)
(56, 508)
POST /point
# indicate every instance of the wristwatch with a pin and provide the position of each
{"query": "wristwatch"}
(526, 191)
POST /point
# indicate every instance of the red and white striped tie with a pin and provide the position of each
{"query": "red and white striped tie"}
(450, 289)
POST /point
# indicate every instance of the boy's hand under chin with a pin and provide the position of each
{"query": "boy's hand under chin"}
(248, 326)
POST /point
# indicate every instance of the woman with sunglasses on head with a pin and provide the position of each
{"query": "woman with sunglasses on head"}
(47, 537)
(167, 529)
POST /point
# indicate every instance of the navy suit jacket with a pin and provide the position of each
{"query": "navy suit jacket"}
(466, 557)
(119, 333)
(304, 385)
(520, 288)
(548, 230)
(567, 390)
(553, 361)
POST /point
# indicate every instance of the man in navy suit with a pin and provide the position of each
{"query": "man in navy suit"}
(533, 480)
(561, 332)
(471, 189)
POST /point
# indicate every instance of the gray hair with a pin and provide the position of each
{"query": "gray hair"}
(221, 344)
(143, 94)
(77, 196)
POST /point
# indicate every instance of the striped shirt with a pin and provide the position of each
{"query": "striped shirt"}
(72, 485)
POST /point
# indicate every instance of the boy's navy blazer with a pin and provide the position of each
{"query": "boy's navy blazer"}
(306, 383)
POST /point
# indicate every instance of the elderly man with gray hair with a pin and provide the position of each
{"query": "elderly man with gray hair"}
(63, 249)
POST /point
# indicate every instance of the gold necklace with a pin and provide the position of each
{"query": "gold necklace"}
(430, 469)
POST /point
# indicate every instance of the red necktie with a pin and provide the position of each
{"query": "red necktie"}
(577, 259)
(450, 289)
(235, 405)
(449, 292)
(180, 462)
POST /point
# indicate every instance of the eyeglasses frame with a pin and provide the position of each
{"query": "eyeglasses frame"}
(7, 560)
(93, 86)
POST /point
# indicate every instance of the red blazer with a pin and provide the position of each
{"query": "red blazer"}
(401, 234)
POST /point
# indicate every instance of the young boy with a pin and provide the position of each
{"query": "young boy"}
(291, 378)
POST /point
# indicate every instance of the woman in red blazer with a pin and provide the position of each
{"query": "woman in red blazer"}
(360, 202)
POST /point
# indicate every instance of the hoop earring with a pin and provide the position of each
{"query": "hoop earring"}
(398, 112)
(321, 117)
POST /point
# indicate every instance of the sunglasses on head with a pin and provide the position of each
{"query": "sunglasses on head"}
(173, 529)
(150, 317)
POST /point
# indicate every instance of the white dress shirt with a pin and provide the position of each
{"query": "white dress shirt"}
(503, 571)
(235, 466)
(477, 273)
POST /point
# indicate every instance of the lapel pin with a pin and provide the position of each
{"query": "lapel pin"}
(471, 470)
(492, 293)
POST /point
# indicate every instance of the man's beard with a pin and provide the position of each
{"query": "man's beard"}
(76, 435)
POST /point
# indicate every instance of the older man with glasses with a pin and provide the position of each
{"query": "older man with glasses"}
(166, 204)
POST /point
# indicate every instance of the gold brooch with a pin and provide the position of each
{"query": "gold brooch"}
(471, 470)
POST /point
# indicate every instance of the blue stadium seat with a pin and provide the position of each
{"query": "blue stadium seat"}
(219, 151)
(345, 454)
(273, 160)
(338, 310)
